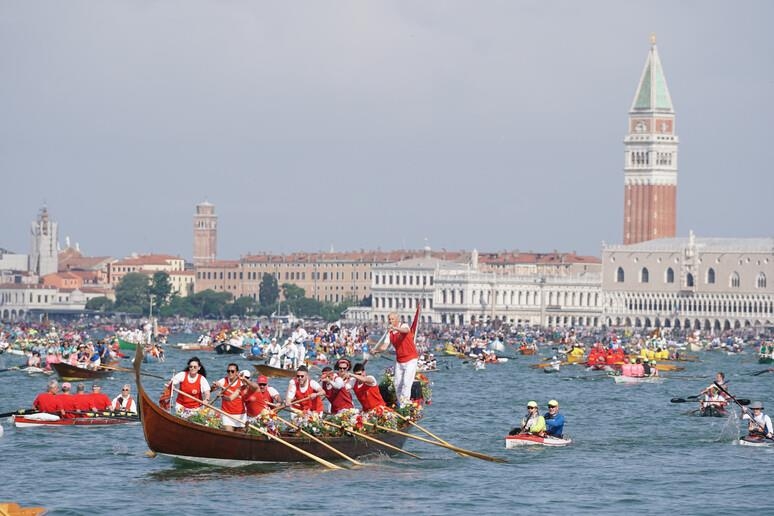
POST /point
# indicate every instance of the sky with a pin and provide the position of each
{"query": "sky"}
(348, 125)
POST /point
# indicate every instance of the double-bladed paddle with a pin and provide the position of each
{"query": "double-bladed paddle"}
(689, 399)
(744, 409)
(20, 412)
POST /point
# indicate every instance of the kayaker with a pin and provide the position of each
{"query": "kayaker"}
(720, 379)
(759, 425)
(533, 423)
(124, 401)
(712, 398)
(554, 420)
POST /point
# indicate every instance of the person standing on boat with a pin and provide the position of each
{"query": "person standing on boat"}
(366, 389)
(258, 395)
(48, 401)
(759, 424)
(406, 356)
(532, 423)
(193, 382)
(273, 352)
(124, 401)
(304, 393)
(554, 420)
(232, 402)
(299, 337)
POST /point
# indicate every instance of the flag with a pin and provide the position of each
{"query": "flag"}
(416, 318)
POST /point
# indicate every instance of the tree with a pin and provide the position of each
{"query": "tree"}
(179, 306)
(160, 289)
(100, 304)
(269, 291)
(209, 303)
(245, 305)
(292, 292)
(132, 293)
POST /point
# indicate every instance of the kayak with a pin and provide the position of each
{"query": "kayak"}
(34, 420)
(514, 441)
(756, 441)
(710, 412)
(637, 379)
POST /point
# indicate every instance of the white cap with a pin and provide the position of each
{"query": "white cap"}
(245, 373)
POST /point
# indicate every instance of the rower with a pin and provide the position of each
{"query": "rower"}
(554, 420)
(533, 423)
(759, 425)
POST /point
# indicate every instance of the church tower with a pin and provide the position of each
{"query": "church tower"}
(205, 224)
(650, 169)
(44, 258)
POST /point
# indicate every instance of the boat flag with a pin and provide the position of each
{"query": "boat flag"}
(416, 318)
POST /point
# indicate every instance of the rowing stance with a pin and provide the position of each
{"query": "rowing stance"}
(759, 423)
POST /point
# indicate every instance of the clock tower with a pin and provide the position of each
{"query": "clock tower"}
(650, 167)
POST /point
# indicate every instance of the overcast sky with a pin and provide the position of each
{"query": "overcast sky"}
(363, 124)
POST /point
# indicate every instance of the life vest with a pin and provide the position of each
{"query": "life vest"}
(123, 404)
(340, 398)
(237, 405)
(257, 401)
(307, 404)
(369, 396)
(191, 388)
(403, 343)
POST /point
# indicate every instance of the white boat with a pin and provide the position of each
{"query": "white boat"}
(515, 441)
(751, 441)
(637, 379)
(552, 368)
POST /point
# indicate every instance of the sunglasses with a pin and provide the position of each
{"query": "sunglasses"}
(125, 390)
(193, 367)
(262, 385)
(300, 376)
(232, 370)
(342, 368)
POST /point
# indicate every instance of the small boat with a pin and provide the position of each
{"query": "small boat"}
(71, 373)
(710, 411)
(16, 509)
(36, 370)
(755, 441)
(527, 351)
(637, 379)
(254, 358)
(35, 420)
(276, 372)
(765, 359)
(515, 441)
(552, 368)
(224, 348)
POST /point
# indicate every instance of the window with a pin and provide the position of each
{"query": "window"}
(689, 280)
(710, 276)
(619, 275)
(670, 275)
(734, 280)
(760, 281)
(644, 275)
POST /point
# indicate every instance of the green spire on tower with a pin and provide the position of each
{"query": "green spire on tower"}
(652, 92)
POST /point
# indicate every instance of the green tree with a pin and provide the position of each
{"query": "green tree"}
(160, 289)
(133, 293)
(209, 303)
(269, 291)
(292, 292)
(100, 304)
(178, 306)
(245, 305)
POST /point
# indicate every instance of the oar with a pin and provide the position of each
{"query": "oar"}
(744, 409)
(372, 439)
(264, 432)
(20, 412)
(758, 373)
(428, 432)
(436, 443)
(694, 399)
(125, 370)
(320, 441)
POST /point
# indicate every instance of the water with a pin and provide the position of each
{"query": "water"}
(633, 451)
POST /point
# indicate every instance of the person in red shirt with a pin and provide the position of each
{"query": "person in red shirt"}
(66, 400)
(406, 358)
(304, 393)
(99, 400)
(232, 402)
(337, 386)
(82, 400)
(366, 389)
(258, 396)
(48, 401)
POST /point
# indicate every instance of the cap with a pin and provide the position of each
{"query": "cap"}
(245, 373)
(756, 404)
(66, 385)
(532, 404)
(553, 403)
(345, 362)
(263, 379)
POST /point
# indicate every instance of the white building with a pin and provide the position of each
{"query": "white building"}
(701, 283)
(45, 255)
(28, 302)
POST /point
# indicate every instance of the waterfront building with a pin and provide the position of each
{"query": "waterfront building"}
(650, 169)
(12, 265)
(44, 254)
(93, 270)
(19, 301)
(708, 284)
(205, 234)
(144, 264)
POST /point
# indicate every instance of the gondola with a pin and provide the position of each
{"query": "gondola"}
(71, 373)
(175, 437)
(276, 372)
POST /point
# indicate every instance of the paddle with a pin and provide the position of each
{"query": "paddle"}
(372, 439)
(20, 412)
(436, 443)
(320, 441)
(758, 373)
(428, 432)
(744, 409)
(125, 370)
(693, 399)
(264, 432)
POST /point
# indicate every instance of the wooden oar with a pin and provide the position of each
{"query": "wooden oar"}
(20, 412)
(372, 439)
(264, 432)
(125, 370)
(442, 445)
(428, 432)
(320, 441)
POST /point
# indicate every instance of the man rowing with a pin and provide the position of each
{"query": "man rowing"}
(258, 395)
(406, 356)
(193, 382)
(337, 386)
(759, 424)
(48, 401)
(67, 402)
(232, 402)
(304, 393)
(554, 420)
(124, 401)
(366, 389)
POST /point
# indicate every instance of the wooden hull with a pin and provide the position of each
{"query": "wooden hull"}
(25, 422)
(275, 372)
(70, 373)
(527, 351)
(225, 348)
(170, 435)
(519, 440)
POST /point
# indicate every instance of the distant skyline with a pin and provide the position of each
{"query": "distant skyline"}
(372, 125)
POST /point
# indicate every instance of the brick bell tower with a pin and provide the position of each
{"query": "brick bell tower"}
(205, 237)
(650, 169)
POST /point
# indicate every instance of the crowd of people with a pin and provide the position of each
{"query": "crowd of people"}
(59, 400)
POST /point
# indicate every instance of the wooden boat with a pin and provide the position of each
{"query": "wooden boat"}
(125, 344)
(527, 351)
(97, 420)
(13, 508)
(755, 441)
(765, 359)
(276, 372)
(518, 440)
(173, 436)
(71, 373)
(193, 346)
(224, 348)
(637, 379)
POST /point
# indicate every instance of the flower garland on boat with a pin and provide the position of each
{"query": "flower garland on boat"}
(387, 386)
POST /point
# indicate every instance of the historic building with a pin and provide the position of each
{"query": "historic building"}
(44, 254)
(147, 264)
(650, 169)
(701, 283)
(205, 234)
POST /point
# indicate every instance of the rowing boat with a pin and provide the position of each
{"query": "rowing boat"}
(755, 441)
(276, 372)
(515, 441)
(710, 411)
(97, 420)
(71, 373)
(637, 379)
(175, 437)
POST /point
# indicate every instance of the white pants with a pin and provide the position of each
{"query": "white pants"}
(404, 379)
(235, 420)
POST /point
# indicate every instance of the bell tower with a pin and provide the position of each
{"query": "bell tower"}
(205, 224)
(650, 167)
(44, 258)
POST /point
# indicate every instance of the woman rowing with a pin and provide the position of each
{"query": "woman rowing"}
(533, 423)
(193, 381)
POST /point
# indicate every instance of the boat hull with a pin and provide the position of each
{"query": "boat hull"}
(751, 441)
(71, 373)
(225, 348)
(519, 440)
(275, 372)
(637, 379)
(26, 422)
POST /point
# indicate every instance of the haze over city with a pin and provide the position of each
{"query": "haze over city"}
(365, 125)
